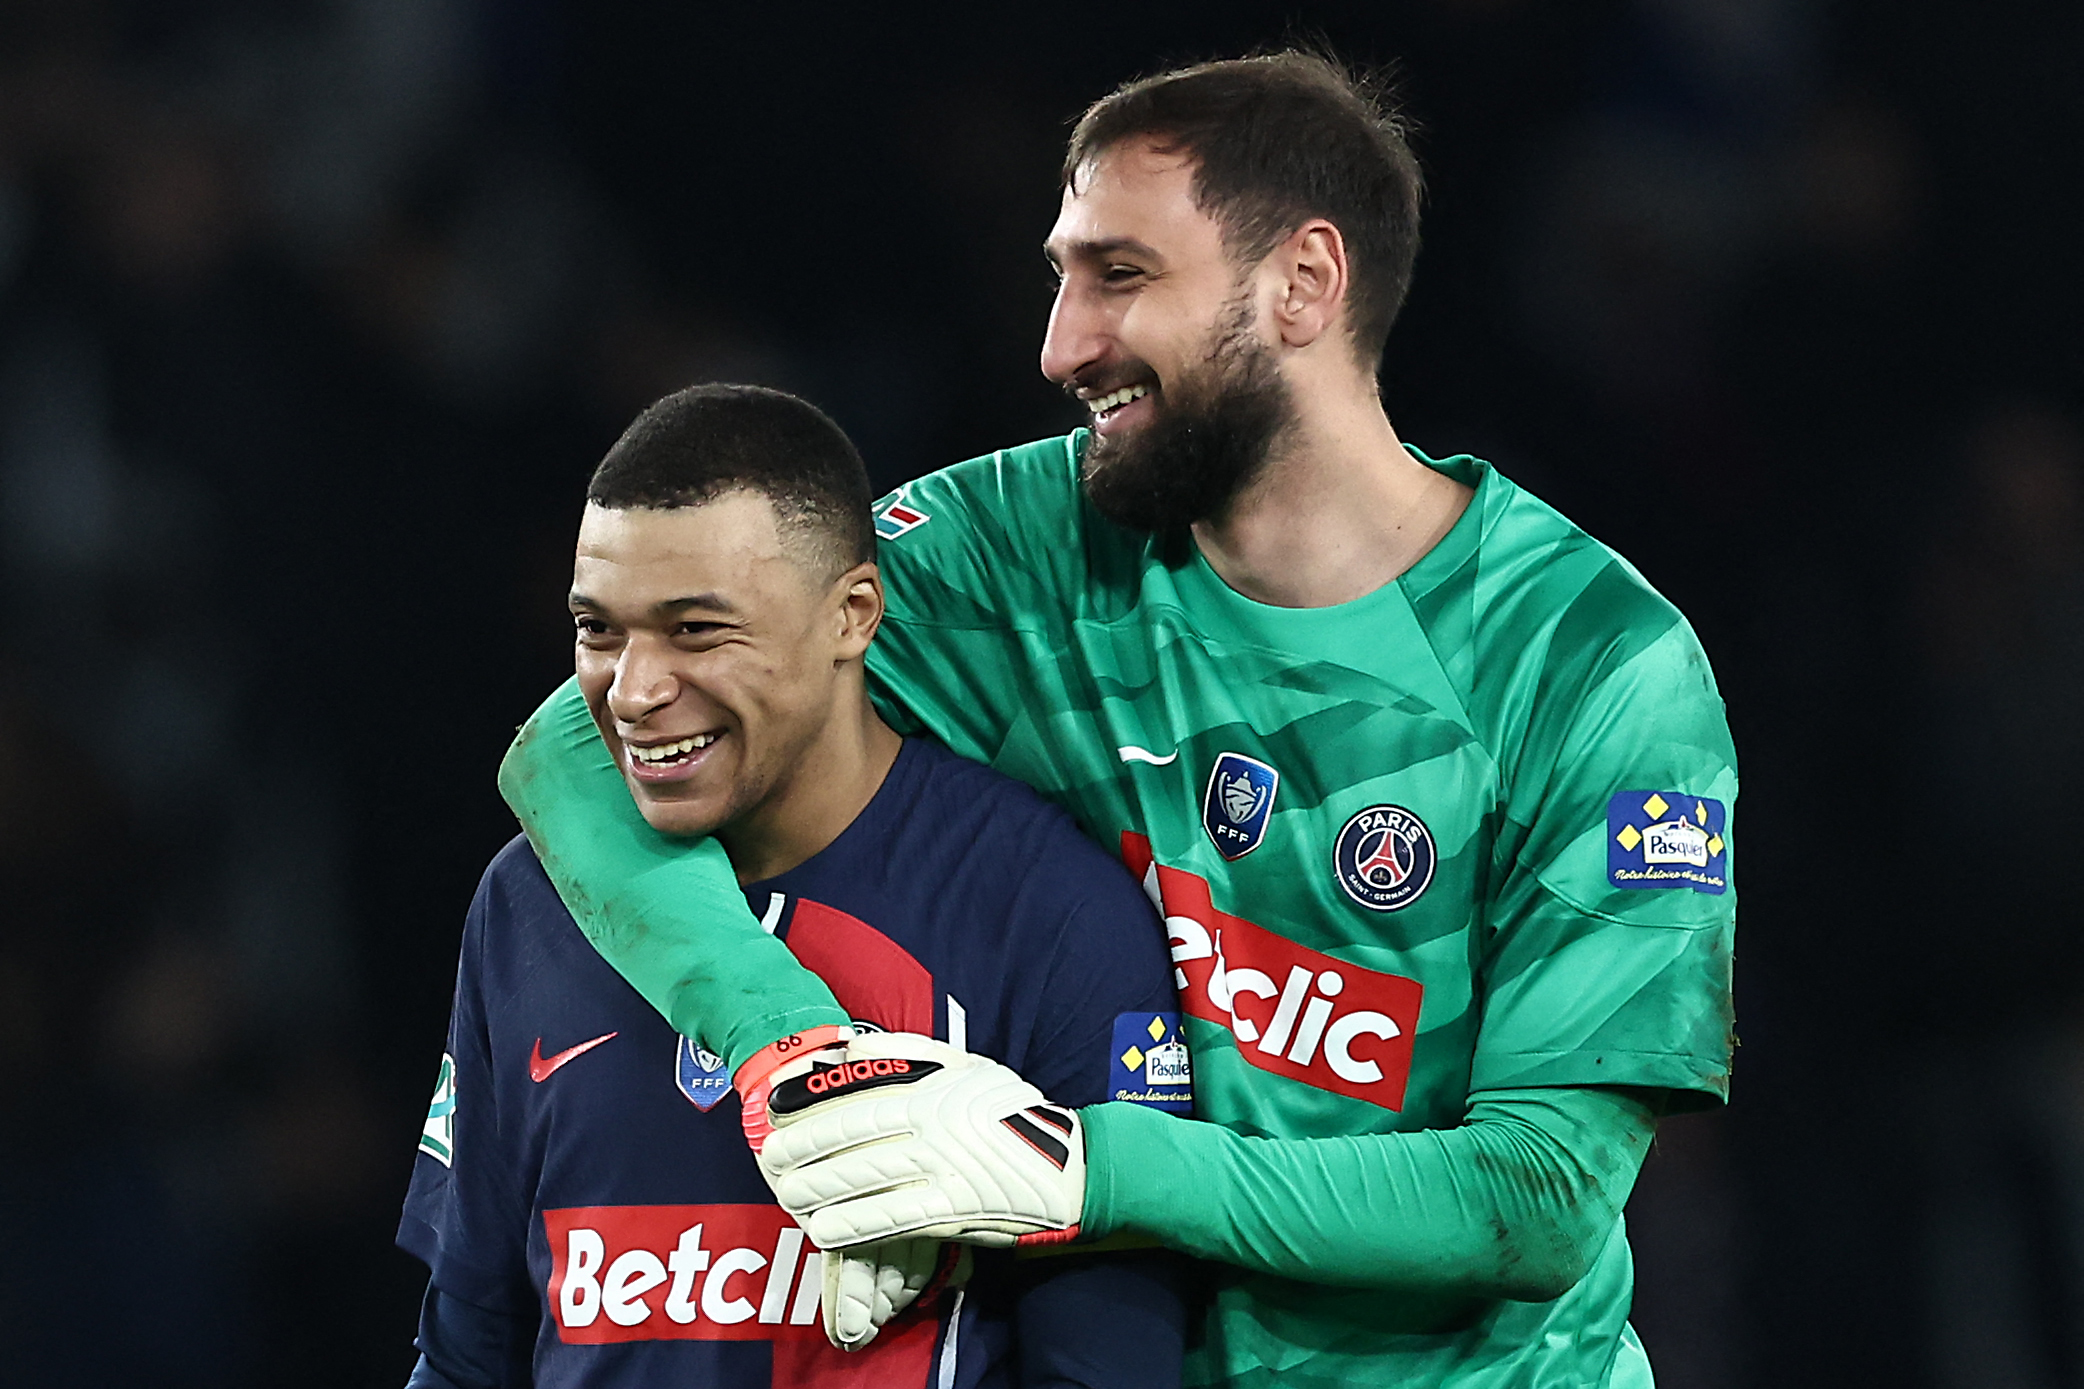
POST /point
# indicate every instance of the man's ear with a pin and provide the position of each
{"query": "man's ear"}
(857, 609)
(1310, 282)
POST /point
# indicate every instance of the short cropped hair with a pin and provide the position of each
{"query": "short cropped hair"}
(707, 441)
(1276, 140)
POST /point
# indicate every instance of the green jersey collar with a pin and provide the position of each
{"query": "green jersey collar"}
(1201, 580)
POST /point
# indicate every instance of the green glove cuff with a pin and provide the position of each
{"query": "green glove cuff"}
(667, 913)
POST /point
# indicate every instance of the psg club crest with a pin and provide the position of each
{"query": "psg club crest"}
(1384, 858)
(1238, 803)
(700, 1074)
(1667, 839)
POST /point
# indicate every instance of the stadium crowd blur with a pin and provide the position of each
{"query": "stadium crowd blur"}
(315, 315)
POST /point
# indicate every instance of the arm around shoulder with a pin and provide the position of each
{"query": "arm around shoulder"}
(1516, 1202)
(665, 912)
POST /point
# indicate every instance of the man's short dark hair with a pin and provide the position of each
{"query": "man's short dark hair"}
(707, 441)
(1276, 140)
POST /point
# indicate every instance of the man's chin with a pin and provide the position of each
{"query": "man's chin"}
(686, 818)
(1124, 486)
(1179, 456)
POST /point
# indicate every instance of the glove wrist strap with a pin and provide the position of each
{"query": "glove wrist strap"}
(755, 1079)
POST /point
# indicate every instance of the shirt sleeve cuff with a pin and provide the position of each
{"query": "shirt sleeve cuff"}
(1120, 1139)
(484, 1287)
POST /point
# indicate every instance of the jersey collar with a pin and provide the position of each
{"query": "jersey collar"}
(1454, 550)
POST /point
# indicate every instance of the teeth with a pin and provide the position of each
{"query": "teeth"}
(1100, 405)
(666, 752)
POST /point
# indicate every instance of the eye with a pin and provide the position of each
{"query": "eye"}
(590, 630)
(698, 630)
(1121, 274)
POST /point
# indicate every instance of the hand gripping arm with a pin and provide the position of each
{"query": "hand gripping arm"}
(909, 1137)
(1516, 1202)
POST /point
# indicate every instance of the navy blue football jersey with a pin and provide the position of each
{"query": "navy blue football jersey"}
(583, 1164)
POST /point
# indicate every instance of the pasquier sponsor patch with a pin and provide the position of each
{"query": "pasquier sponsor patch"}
(1148, 1062)
(1667, 839)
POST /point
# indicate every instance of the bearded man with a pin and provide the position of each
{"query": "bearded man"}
(1432, 788)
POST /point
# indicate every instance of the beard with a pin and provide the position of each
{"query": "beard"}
(1212, 436)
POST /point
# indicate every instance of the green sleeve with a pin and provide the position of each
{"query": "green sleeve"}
(1515, 1203)
(973, 583)
(1586, 981)
(667, 913)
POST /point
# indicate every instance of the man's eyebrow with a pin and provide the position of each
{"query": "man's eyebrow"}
(716, 602)
(1097, 250)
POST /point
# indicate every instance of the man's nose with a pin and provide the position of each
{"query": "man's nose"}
(644, 682)
(1075, 338)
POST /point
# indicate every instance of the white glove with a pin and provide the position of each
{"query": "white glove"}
(865, 1287)
(869, 1284)
(910, 1137)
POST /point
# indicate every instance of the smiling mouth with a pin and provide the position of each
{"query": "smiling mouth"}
(1105, 407)
(664, 759)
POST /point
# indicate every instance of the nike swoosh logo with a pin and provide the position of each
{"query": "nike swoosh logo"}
(1129, 752)
(541, 1068)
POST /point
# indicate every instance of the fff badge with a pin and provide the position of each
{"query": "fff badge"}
(700, 1074)
(1667, 839)
(1238, 803)
(1149, 1064)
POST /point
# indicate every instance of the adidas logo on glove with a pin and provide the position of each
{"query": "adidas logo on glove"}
(830, 1082)
(905, 1137)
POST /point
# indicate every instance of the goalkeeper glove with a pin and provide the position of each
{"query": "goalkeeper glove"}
(863, 1288)
(910, 1137)
(869, 1284)
(776, 1062)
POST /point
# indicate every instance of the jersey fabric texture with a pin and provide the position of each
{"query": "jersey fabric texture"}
(1469, 832)
(584, 1164)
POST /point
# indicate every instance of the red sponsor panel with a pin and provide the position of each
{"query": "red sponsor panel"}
(1294, 1011)
(873, 977)
(680, 1273)
(718, 1273)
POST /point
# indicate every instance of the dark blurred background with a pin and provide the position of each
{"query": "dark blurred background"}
(315, 316)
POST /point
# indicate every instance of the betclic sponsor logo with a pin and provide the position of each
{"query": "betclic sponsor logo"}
(1295, 1012)
(682, 1273)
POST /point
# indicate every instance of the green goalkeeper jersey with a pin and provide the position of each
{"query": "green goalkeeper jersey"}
(1468, 833)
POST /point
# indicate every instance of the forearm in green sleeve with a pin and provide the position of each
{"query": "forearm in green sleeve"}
(1515, 1203)
(667, 913)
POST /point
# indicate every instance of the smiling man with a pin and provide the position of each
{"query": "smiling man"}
(1434, 790)
(584, 1196)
